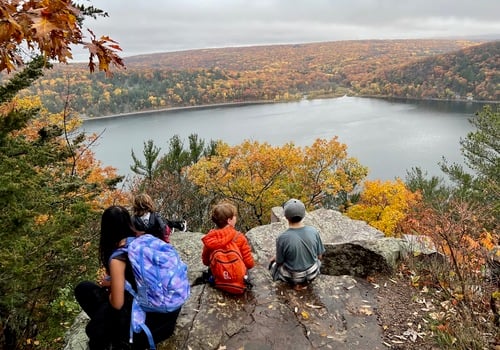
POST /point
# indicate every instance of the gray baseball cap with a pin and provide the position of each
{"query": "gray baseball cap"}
(294, 208)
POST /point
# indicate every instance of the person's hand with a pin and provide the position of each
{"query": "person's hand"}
(105, 281)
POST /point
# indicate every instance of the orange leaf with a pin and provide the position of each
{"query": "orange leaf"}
(43, 27)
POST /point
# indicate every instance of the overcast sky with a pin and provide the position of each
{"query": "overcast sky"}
(149, 26)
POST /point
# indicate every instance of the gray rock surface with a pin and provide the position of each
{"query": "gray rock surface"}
(337, 311)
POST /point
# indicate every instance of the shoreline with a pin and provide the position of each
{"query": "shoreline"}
(183, 108)
(248, 103)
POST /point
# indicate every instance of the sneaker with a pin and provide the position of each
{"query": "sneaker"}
(248, 283)
(198, 281)
(177, 225)
(184, 226)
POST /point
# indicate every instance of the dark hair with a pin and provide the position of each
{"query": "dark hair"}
(223, 212)
(115, 226)
(295, 219)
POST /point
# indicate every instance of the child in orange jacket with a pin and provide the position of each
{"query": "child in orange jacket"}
(219, 244)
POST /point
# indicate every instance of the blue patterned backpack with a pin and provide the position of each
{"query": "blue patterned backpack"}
(161, 278)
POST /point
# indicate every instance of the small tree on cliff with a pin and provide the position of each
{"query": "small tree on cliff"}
(481, 150)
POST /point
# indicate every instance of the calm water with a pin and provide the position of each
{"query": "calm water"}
(388, 137)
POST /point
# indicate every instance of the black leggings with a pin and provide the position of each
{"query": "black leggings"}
(108, 325)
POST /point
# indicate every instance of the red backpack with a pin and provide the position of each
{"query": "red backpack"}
(228, 268)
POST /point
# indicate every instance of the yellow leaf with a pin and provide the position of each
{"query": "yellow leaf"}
(414, 281)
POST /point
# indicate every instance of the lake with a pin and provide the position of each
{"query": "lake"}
(389, 137)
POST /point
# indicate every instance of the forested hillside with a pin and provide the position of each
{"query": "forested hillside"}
(471, 73)
(448, 69)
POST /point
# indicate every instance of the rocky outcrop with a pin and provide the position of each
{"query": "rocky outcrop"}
(337, 311)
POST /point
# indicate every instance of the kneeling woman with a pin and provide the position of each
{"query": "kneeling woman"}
(109, 305)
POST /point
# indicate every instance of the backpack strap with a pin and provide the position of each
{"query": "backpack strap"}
(136, 308)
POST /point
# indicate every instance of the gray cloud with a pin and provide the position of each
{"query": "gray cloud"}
(160, 26)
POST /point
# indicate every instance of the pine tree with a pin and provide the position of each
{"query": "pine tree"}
(46, 207)
(481, 150)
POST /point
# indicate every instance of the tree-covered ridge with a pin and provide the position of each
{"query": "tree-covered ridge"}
(269, 73)
(297, 56)
(470, 73)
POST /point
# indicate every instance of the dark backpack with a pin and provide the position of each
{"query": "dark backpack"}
(155, 225)
(161, 279)
(229, 269)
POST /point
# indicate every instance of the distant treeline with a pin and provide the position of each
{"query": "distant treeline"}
(424, 69)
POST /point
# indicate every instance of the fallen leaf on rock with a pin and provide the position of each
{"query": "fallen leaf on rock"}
(312, 306)
(437, 315)
(366, 310)
(411, 335)
(305, 315)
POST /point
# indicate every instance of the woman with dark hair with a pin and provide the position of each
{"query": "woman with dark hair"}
(108, 304)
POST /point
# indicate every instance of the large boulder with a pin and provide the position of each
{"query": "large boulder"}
(337, 311)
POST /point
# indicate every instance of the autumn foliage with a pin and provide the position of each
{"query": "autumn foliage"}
(81, 161)
(51, 27)
(384, 205)
(461, 223)
(51, 186)
(444, 69)
(259, 176)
